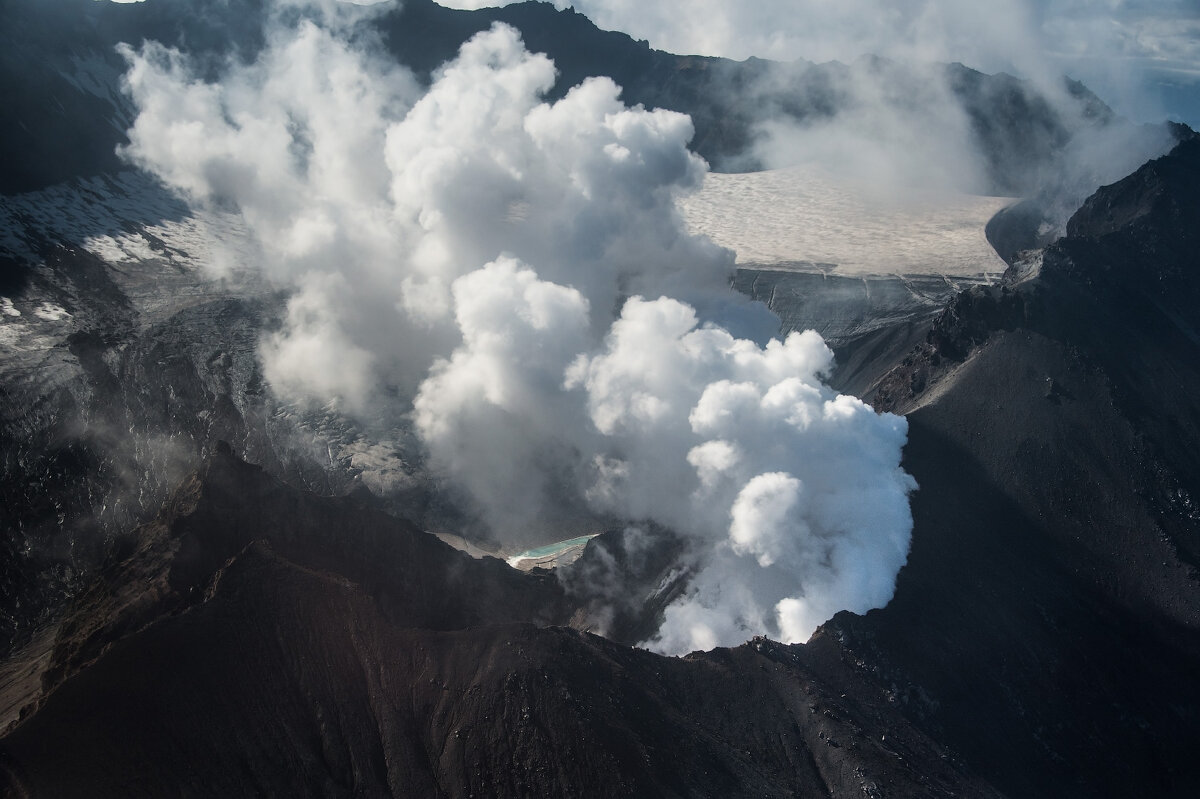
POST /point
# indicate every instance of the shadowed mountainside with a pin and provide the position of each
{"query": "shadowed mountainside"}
(265, 640)
(1049, 615)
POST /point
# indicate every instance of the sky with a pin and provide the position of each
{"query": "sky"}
(1141, 56)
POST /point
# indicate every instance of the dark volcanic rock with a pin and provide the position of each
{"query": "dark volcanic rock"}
(229, 505)
(624, 581)
(1048, 620)
(59, 74)
(118, 377)
(866, 321)
(265, 641)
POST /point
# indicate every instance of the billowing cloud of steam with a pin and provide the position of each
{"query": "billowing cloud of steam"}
(513, 276)
(791, 494)
(373, 201)
(794, 492)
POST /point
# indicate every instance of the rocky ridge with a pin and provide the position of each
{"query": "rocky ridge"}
(314, 646)
(1052, 587)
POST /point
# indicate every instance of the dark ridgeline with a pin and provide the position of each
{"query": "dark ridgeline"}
(1050, 611)
(59, 72)
(262, 640)
(254, 638)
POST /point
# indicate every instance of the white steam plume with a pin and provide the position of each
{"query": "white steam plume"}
(792, 493)
(514, 277)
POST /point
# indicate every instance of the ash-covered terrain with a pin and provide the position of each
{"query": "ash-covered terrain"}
(215, 584)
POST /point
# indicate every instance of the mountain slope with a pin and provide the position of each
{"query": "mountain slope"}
(263, 640)
(1052, 587)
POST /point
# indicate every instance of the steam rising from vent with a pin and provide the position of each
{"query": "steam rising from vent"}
(792, 493)
(514, 278)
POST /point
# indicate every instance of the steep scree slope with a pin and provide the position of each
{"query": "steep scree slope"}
(1047, 624)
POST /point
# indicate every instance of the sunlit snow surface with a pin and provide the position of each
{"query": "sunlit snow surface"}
(804, 218)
